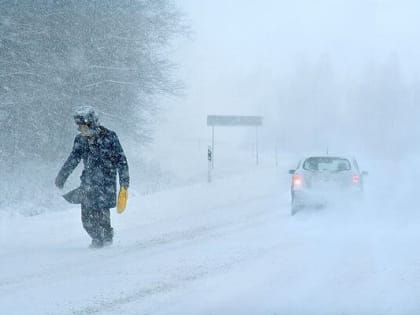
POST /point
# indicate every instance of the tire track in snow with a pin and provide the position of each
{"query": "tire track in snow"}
(167, 286)
(198, 273)
(60, 272)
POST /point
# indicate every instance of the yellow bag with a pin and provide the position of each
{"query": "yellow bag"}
(122, 200)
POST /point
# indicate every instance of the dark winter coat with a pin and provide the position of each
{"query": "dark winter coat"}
(102, 157)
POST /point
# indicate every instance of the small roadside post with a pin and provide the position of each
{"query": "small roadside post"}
(209, 159)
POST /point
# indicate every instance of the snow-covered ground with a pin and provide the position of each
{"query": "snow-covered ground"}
(229, 247)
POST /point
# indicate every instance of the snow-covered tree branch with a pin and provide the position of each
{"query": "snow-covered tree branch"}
(57, 55)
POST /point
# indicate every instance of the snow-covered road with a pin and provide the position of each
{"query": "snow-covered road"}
(230, 247)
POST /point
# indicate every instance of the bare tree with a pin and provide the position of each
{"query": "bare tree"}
(58, 54)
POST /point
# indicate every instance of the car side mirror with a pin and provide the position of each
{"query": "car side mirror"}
(365, 173)
(291, 172)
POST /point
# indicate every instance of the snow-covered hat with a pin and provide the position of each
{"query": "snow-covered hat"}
(86, 115)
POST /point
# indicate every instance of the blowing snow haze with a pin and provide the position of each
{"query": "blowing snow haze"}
(338, 74)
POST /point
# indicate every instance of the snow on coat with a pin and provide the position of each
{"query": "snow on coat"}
(102, 157)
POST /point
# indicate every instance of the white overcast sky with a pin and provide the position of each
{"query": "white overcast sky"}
(240, 49)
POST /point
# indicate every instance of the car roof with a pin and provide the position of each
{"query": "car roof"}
(330, 154)
(348, 157)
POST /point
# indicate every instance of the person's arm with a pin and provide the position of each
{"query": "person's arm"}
(121, 163)
(70, 164)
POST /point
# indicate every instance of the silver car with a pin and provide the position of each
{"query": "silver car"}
(319, 180)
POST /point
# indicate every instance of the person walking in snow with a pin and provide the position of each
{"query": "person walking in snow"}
(103, 157)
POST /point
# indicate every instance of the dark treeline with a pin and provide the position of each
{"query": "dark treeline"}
(58, 55)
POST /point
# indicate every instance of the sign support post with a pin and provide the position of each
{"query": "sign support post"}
(210, 160)
(234, 121)
(256, 145)
(212, 146)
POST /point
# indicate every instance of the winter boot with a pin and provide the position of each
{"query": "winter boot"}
(108, 237)
(107, 242)
(96, 243)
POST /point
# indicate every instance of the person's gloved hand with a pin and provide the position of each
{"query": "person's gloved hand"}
(59, 182)
(122, 199)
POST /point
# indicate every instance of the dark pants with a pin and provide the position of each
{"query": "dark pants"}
(97, 223)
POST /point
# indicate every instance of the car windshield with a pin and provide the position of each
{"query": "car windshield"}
(326, 164)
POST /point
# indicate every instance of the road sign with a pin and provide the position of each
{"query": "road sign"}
(222, 120)
(234, 121)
